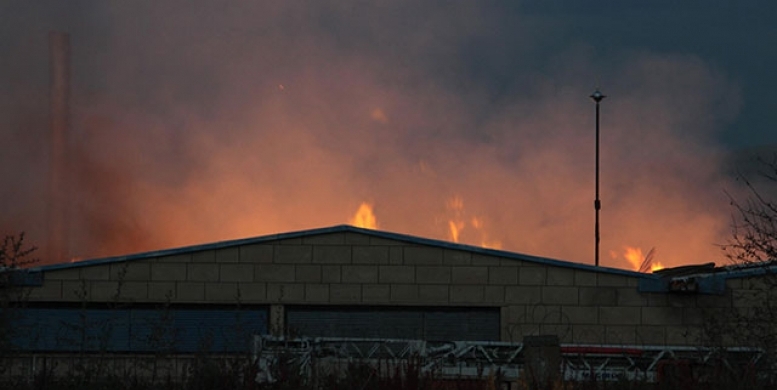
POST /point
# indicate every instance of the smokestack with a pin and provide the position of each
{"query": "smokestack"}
(59, 117)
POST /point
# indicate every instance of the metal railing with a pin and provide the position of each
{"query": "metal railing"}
(478, 359)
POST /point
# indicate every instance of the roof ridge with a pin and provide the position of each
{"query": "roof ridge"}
(340, 229)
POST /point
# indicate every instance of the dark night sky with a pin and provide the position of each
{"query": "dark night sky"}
(196, 121)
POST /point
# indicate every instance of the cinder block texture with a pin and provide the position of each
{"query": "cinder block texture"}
(588, 334)
(133, 291)
(96, 273)
(190, 291)
(51, 290)
(253, 292)
(236, 272)
(433, 274)
(307, 273)
(610, 280)
(579, 315)
(557, 276)
(330, 274)
(162, 292)
(503, 275)
(454, 257)
(370, 254)
(345, 293)
(256, 253)
(228, 255)
(103, 291)
(662, 315)
(620, 315)
(651, 335)
(168, 271)
(467, 294)
(316, 292)
(359, 274)
(485, 260)
(285, 292)
(292, 254)
(373, 293)
(404, 292)
(598, 296)
(469, 275)
(274, 273)
(222, 292)
(202, 272)
(523, 294)
(559, 295)
(532, 276)
(436, 294)
(64, 274)
(423, 255)
(396, 274)
(208, 256)
(332, 254)
(620, 334)
(131, 271)
(494, 294)
(585, 278)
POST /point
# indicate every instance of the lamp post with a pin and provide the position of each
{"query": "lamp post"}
(597, 97)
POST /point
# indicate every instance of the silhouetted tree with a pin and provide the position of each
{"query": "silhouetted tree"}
(752, 247)
(14, 255)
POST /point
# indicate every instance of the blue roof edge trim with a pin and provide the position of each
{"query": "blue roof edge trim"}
(346, 229)
(713, 283)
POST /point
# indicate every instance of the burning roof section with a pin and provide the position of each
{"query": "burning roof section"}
(345, 229)
(691, 279)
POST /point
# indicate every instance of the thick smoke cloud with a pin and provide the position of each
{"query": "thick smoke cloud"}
(196, 121)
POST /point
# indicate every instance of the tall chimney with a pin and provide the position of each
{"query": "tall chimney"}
(59, 117)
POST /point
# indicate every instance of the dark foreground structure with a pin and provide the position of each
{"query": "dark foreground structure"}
(343, 282)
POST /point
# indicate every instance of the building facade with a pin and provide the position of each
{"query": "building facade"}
(350, 282)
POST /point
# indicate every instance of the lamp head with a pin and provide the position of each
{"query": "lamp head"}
(597, 96)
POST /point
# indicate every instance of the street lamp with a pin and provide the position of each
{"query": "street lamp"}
(597, 97)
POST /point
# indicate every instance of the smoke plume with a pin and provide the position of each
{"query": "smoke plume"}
(200, 121)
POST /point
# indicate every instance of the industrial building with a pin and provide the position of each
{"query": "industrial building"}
(345, 281)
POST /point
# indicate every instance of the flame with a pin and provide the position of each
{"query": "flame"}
(364, 217)
(634, 256)
(454, 229)
(458, 223)
(455, 224)
(637, 259)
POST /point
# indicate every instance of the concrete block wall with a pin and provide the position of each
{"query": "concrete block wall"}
(357, 269)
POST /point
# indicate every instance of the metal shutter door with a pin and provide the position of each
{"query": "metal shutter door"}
(394, 324)
(462, 325)
(72, 329)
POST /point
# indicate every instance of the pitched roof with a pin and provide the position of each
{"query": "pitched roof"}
(344, 229)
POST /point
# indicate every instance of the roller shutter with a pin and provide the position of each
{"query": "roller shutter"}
(480, 324)
(137, 330)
